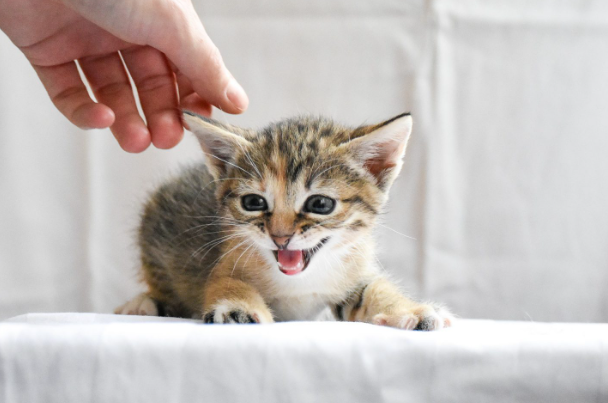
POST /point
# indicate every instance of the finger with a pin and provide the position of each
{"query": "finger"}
(110, 83)
(173, 27)
(157, 91)
(70, 97)
(196, 104)
(189, 99)
(193, 52)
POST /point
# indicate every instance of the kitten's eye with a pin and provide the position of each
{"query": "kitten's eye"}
(254, 203)
(318, 204)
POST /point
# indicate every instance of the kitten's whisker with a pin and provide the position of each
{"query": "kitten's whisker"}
(249, 256)
(218, 218)
(211, 244)
(215, 241)
(202, 231)
(209, 184)
(199, 233)
(325, 170)
(341, 164)
(228, 179)
(234, 234)
(250, 161)
(395, 231)
(239, 258)
(228, 252)
(229, 163)
(319, 164)
(202, 226)
(221, 242)
(222, 226)
(330, 180)
(322, 223)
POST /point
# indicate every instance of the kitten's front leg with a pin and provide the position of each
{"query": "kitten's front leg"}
(381, 303)
(228, 300)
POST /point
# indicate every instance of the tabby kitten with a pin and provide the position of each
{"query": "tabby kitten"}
(276, 225)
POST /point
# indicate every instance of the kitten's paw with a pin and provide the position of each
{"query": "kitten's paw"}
(230, 312)
(140, 305)
(426, 317)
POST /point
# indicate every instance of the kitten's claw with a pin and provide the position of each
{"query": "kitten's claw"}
(231, 317)
(229, 313)
(140, 305)
(428, 317)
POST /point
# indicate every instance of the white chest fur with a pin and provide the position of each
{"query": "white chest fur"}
(328, 279)
(304, 296)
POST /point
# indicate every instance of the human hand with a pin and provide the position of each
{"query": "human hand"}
(163, 44)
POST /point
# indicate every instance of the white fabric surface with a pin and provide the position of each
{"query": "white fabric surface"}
(504, 185)
(80, 358)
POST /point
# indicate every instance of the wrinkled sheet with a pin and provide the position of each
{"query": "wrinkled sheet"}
(78, 358)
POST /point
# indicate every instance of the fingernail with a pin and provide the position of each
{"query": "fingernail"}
(236, 95)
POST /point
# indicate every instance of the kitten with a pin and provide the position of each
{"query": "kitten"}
(276, 225)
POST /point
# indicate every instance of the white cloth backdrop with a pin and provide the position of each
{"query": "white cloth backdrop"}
(504, 188)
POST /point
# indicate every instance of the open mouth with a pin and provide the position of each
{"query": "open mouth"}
(292, 262)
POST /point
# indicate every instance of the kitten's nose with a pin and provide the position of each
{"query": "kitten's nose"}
(281, 241)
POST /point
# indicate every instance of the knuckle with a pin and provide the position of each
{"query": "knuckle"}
(111, 89)
(154, 82)
(67, 94)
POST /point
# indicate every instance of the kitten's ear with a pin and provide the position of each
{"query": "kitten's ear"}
(219, 142)
(382, 148)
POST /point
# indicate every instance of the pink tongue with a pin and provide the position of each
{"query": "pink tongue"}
(291, 261)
